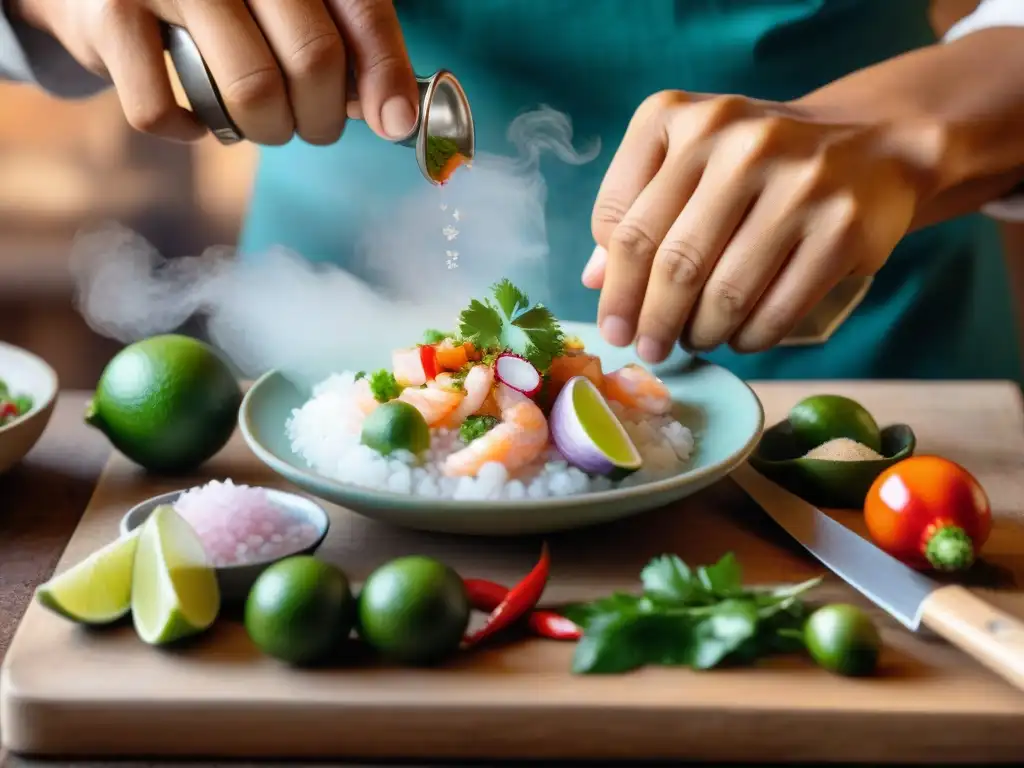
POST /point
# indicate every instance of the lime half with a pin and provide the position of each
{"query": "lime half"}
(174, 588)
(97, 590)
(587, 432)
(396, 426)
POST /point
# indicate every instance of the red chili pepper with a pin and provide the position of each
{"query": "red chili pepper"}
(488, 595)
(519, 602)
(428, 359)
(7, 409)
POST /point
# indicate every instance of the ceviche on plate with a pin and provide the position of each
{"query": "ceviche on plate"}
(505, 406)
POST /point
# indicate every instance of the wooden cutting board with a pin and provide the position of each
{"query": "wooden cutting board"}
(70, 693)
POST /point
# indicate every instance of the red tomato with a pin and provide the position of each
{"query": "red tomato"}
(930, 513)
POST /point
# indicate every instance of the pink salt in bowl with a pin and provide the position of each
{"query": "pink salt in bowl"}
(242, 539)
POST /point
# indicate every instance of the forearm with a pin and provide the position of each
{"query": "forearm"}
(31, 55)
(955, 112)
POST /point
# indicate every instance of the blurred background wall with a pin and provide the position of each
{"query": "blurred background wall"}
(64, 165)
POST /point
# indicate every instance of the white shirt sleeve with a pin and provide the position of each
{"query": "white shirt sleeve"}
(989, 14)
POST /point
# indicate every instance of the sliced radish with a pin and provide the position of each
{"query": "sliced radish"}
(517, 373)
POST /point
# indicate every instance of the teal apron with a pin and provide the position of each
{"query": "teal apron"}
(940, 308)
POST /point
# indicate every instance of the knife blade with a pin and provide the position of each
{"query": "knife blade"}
(991, 636)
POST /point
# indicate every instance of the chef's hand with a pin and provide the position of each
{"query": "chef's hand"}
(725, 220)
(281, 65)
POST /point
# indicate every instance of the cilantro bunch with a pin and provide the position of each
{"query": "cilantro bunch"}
(510, 321)
(699, 618)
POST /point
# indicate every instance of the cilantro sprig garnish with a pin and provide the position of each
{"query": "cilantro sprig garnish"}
(699, 618)
(508, 320)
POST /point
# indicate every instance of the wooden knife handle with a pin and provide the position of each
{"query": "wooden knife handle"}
(994, 638)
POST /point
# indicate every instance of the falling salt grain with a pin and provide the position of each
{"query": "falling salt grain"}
(843, 449)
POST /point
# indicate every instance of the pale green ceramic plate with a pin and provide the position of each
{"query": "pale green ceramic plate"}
(724, 414)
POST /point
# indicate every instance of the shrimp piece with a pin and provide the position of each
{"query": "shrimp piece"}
(520, 438)
(407, 365)
(477, 386)
(434, 404)
(636, 387)
(445, 381)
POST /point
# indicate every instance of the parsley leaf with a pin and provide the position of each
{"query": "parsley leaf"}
(434, 336)
(476, 426)
(384, 386)
(480, 324)
(694, 617)
(510, 321)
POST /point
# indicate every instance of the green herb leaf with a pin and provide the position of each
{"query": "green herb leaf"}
(669, 579)
(439, 151)
(23, 403)
(718, 635)
(434, 336)
(724, 578)
(510, 321)
(476, 426)
(360, 375)
(480, 324)
(384, 386)
(613, 643)
(699, 618)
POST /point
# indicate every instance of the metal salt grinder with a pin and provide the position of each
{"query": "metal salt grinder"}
(444, 109)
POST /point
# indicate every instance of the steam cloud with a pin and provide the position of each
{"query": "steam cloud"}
(281, 311)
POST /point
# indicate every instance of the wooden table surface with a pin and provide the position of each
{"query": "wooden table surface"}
(42, 500)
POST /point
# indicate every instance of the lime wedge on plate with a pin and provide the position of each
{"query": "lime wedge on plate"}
(587, 432)
(97, 590)
(174, 589)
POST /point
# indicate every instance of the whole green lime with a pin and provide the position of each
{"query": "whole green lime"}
(820, 418)
(168, 403)
(843, 639)
(300, 610)
(396, 426)
(414, 610)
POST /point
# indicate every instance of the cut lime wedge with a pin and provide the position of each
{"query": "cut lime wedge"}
(174, 589)
(602, 426)
(97, 590)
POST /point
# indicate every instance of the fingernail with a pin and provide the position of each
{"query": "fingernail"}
(651, 350)
(616, 331)
(594, 265)
(398, 117)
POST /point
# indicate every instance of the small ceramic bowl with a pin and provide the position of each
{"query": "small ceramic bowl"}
(235, 581)
(779, 456)
(25, 374)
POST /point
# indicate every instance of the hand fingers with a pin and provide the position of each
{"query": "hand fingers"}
(308, 46)
(639, 156)
(386, 83)
(243, 67)
(746, 267)
(687, 256)
(593, 272)
(827, 256)
(131, 46)
(636, 240)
